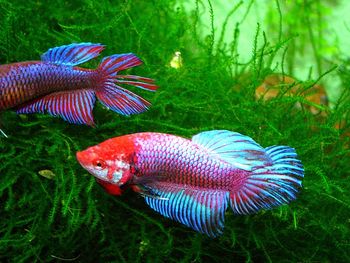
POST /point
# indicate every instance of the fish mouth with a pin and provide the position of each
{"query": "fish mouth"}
(82, 159)
(79, 157)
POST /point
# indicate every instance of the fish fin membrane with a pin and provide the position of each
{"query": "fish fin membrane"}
(73, 106)
(111, 65)
(73, 54)
(110, 188)
(201, 210)
(121, 100)
(270, 186)
(113, 95)
(232, 147)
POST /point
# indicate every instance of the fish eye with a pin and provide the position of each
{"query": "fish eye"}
(99, 164)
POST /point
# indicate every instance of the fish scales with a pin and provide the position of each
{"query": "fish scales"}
(23, 82)
(181, 162)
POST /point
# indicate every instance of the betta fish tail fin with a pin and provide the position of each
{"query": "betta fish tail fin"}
(112, 95)
(273, 184)
(267, 177)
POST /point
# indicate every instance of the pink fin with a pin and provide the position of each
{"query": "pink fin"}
(113, 64)
(135, 77)
(141, 85)
(73, 54)
(121, 100)
(73, 106)
(112, 95)
(141, 82)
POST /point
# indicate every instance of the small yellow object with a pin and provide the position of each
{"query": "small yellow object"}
(47, 174)
(176, 61)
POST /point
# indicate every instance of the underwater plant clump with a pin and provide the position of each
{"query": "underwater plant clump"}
(53, 210)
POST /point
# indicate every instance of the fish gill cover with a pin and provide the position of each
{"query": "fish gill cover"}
(51, 209)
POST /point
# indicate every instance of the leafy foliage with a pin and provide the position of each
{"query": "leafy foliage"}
(69, 217)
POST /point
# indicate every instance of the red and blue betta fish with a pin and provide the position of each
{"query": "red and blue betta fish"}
(194, 181)
(57, 86)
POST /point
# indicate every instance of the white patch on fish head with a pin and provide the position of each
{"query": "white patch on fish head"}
(117, 169)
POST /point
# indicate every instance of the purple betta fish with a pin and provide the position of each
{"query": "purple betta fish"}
(194, 181)
(57, 86)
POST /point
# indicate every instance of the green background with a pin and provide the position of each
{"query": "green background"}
(70, 217)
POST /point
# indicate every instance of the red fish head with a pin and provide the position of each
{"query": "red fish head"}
(109, 161)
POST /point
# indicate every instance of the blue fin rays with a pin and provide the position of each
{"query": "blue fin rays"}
(273, 174)
(73, 54)
(232, 147)
(200, 210)
(272, 185)
(121, 100)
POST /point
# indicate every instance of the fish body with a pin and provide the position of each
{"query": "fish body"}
(194, 181)
(25, 81)
(58, 86)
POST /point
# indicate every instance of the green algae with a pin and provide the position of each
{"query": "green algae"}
(71, 218)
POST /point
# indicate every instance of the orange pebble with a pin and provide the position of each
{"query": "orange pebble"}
(273, 84)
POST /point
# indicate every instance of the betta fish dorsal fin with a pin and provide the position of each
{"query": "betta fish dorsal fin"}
(239, 150)
(73, 106)
(73, 54)
(201, 210)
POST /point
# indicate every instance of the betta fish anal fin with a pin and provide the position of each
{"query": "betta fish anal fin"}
(201, 210)
(73, 54)
(274, 173)
(73, 106)
(114, 96)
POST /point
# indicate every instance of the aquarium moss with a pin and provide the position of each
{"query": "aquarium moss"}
(52, 210)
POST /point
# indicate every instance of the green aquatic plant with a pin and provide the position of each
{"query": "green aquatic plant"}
(52, 210)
